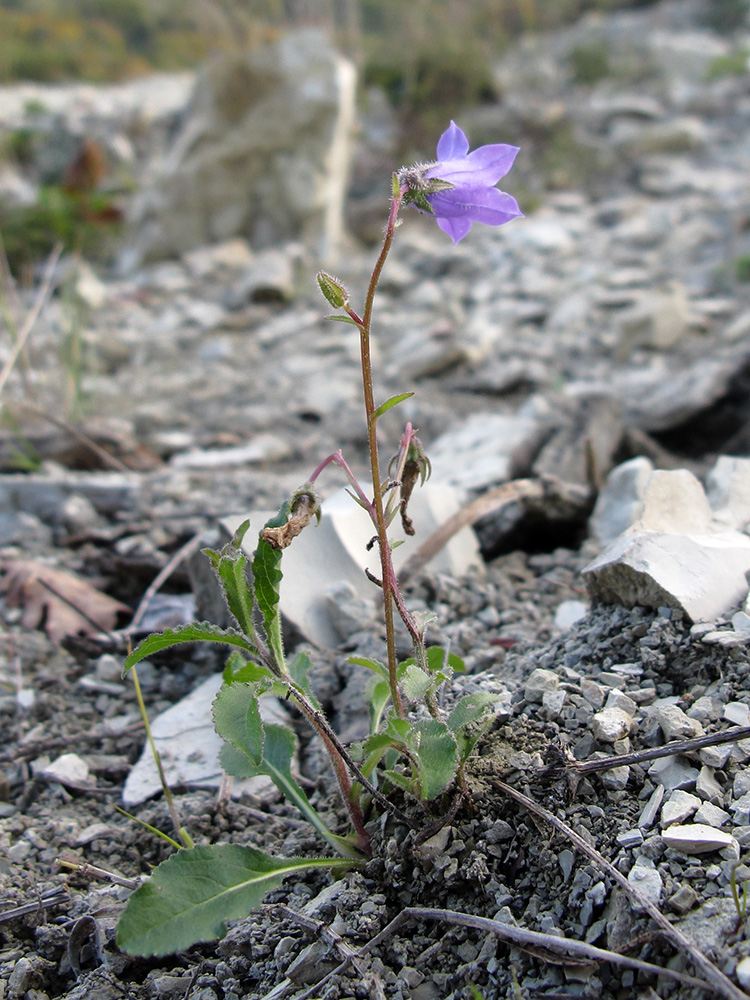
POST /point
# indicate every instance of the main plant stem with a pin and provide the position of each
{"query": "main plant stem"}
(380, 520)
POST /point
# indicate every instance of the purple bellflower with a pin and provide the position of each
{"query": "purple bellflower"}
(460, 187)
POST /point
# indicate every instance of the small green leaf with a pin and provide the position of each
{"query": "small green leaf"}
(345, 319)
(470, 709)
(389, 404)
(266, 568)
(233, 710)
(378, 695)
(365, 661)
(415, 683)
(229, 565)
(299, 667)
(237, 720)
(436, 751)
(194, 632)
(192, 894)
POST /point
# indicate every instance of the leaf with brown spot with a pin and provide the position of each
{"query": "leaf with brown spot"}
(58, 601)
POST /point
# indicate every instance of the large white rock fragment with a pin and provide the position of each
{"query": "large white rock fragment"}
(262, 151)
(676, 552)
(330, 558)
(704, 575)
(620, 503)
(189, 749)
(696, 838)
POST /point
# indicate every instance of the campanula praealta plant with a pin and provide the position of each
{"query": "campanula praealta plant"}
(415, 753)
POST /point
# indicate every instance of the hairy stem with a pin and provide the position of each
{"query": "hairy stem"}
(387, 576)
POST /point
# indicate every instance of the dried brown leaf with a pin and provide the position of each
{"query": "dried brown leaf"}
(58, 601)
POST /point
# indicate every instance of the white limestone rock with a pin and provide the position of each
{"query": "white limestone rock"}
(680, 806)
(620, 502)
(696, 838)
(644, 877)
(703, 575)
(263, 151)
(612, 724)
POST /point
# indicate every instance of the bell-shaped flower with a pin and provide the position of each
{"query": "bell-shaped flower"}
(460, 187)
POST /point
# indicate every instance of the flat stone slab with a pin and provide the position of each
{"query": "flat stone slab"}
(696, 838)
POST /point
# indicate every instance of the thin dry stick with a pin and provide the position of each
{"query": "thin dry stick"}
(669, 750)
(79, 435)
(546, 946)
(568, 494)
(84, 868)
(349, 955)
(721, 984)
(470, 513)
(54, 897)
(33, 315)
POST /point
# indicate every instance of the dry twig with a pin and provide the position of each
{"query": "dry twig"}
(720, 984)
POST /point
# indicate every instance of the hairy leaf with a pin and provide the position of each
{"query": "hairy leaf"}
(378, 695)
(192, 894)
(415, 683)
(237, 720)
(365, 661)
(278, 746)
(230, 565)
(267, 575)
(469, 709)
(299, 667)
(436, 752)
(194, 632)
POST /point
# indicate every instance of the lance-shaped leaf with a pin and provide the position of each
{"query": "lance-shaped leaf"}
(267, 575)
(389, 404)
(229, 565)
(195, 632)
(192, 894)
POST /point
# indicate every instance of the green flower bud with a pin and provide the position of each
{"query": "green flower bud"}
(333, 290)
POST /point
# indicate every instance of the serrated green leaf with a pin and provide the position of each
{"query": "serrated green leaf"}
(436, 751)
(365, 661)
(237, 720)
(248, 673)
(194, 632)
(230, 565)
(192, 894)
(415, 683)
(266, 569)
(389, 404)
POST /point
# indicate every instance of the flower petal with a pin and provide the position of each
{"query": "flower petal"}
(485, 165)
(455, 228)
(479, 204)
(452, 144)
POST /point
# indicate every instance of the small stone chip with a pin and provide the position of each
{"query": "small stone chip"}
(696, 838)
(611, 724)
